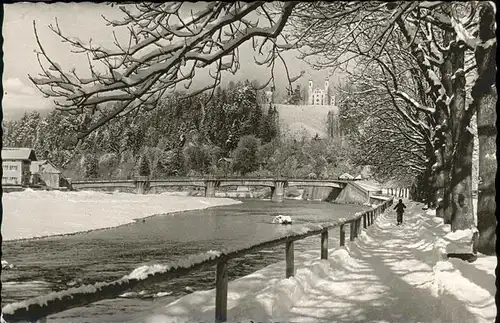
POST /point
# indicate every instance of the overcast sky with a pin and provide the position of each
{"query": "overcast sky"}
(83, 20)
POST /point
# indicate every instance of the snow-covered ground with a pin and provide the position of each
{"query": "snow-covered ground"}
(30, 214)
(390, 274)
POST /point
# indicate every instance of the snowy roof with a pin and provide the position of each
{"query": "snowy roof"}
(18, 154)
(35, 166)
(346, 176)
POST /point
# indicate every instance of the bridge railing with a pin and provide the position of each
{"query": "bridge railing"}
(187, 178)
(37, 309)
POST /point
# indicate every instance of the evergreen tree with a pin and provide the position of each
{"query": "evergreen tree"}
(90, 166)
(246, 155)
(144, 169)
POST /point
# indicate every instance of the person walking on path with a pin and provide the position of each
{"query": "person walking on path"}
(400, 209)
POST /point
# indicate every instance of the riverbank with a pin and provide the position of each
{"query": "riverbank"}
(34, 214)
(390, 274)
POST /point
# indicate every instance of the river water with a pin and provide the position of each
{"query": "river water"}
(57, 263)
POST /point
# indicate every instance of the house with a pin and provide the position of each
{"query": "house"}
(16, 165)
(43, 172)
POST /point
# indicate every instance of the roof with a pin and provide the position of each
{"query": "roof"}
(9, 153)
(369, 185)
(35, 166)
(346, 176)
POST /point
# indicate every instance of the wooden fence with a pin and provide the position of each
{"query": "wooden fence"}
(37, 309)
(402, 192)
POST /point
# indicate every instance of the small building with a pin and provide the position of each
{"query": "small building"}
(16, 165)
(43, 172)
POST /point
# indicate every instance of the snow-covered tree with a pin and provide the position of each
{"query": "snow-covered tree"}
(295, 95)
(90, 166)
(484, 97)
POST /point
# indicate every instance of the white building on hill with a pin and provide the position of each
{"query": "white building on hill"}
(319, 96)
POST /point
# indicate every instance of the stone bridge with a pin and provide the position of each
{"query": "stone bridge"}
(277, 185)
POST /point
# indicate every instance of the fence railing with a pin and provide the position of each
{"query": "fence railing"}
(38, 308)
(178, 178)
(403, 192)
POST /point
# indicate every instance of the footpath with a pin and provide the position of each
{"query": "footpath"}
(389, 274)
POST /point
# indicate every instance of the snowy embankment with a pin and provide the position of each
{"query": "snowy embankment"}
(390, 274)
(31, 214)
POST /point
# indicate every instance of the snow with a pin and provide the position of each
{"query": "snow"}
(282, 219)
(143, 272)
(6, 265)
(463, 34)
(459, 241)
(490, 156)
(31, 214)
(389, 274)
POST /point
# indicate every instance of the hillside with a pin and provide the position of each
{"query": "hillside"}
(299, 119)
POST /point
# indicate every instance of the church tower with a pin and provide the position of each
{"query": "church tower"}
(326, 98)
(310, 92)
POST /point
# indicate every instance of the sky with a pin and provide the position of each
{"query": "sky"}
(84, 21)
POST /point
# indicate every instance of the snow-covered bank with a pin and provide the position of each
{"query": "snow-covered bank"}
(390, 274)
(31, 214)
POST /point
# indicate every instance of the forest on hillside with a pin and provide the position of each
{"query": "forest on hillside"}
(233, 133)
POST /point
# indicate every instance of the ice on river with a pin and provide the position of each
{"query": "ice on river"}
(30, 214)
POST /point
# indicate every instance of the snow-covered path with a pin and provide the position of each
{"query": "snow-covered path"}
(389, 274)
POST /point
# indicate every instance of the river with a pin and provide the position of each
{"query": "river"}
(57, 263)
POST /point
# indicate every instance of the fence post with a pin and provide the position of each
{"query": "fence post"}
(342, 235)
(221, 281)
(364, 221)
(289, 259)
(324, 244)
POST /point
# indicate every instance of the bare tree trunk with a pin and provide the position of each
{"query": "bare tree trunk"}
(463, 212)
(462, 216)
(444, 132)
(484, 96)
(431, 179)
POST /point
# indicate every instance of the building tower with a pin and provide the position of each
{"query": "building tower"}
(326, 97)
(310, 93)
